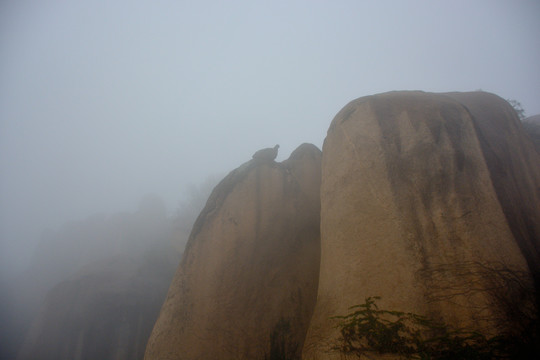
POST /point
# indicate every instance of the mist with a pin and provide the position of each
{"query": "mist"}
(102, 103)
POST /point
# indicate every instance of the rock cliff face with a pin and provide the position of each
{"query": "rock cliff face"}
(514, 169)
(421, 195)
(532, 128)
(247, 283)
(94, 289)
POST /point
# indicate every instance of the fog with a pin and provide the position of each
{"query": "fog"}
(104, 102)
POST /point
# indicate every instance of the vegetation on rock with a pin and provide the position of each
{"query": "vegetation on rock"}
(518, 108)
(369, 330)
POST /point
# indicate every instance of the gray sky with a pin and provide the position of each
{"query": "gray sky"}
(102, 102)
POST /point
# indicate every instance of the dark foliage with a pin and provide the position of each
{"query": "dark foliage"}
(368, 330)
(281, 346)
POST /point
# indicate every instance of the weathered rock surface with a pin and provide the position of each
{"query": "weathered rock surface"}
(514, 168)
(413, 209)
(106, 311)
(248, 277)
(531, 125)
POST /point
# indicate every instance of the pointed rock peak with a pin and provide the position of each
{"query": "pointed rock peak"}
(250, 270)
(303, 158)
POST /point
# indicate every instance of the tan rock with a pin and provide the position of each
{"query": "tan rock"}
(514, 167)
(409, 213)
(250, 268)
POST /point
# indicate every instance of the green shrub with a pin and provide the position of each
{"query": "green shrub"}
(368, 330)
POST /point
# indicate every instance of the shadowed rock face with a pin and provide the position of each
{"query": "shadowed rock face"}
(250, 269)
(514, 169)
(531, 125)
(412, 201)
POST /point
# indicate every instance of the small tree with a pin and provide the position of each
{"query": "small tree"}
(513, 300)
(518, 108)
(369, 330)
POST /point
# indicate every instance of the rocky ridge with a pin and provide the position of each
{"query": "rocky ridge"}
(246, 286)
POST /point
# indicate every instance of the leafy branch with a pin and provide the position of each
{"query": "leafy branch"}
(368, 330)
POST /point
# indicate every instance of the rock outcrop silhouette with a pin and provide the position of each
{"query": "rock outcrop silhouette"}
(105, 311)
(267, 154)
(418, 192)
(247, 283)
(96, 287)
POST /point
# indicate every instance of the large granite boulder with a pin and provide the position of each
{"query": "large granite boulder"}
(413, 210)
(247, 283)
(514, 167)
